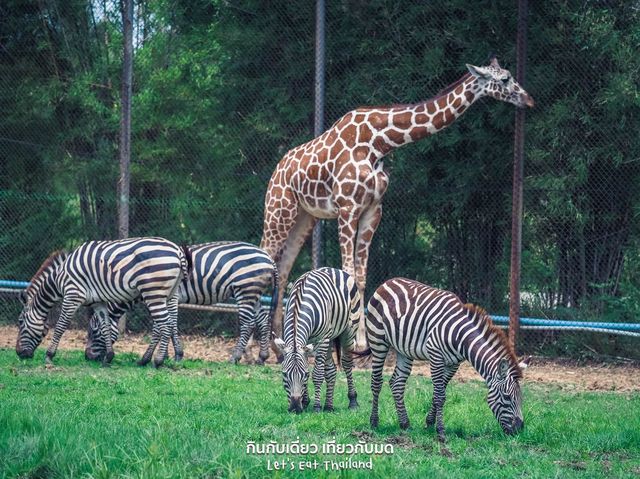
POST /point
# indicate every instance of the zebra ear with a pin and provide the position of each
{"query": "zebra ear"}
(524, 362)
(308, 348)
(503, 368)
(279, 344)
(23, 297)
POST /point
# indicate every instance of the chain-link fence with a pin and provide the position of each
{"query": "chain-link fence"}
(222, 89)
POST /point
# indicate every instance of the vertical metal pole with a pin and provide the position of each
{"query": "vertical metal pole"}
(318, 120)
(125, 119)
(518, 171)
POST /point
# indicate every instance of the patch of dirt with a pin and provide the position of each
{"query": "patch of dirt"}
(566, 374)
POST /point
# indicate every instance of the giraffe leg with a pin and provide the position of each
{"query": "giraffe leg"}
(70, 305)
(367, 226)
(298, 234)
(398, 382)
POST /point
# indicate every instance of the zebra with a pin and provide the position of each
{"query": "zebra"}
(324, 306)
(105, 274)
(221, 271)
(422, 322)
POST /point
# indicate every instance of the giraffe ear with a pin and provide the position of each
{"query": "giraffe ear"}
(478, 72)
(493, 61)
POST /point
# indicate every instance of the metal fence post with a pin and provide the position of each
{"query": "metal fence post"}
(125, 119)
(518, 169)
(318, 120)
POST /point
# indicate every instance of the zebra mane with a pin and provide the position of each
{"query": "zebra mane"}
(295, 305)
(480, 317)
(44, 267)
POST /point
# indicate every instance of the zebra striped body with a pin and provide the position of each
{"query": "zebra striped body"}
(323, 307)
(101, 272)
(421, 322)
(221, 271)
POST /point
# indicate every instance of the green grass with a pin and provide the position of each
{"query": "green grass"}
(80, 420)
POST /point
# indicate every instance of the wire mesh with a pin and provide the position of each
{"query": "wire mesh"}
(222, 89)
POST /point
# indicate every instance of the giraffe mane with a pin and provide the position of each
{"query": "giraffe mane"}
(480, 317)
(44, 266)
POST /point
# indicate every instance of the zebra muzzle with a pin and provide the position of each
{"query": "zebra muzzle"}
(295, 404)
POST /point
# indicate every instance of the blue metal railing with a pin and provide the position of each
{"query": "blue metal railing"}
(529, 323)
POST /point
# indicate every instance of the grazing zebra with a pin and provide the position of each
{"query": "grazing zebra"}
(100, 273)
(324, 305)
(221, 271)
(421, 322)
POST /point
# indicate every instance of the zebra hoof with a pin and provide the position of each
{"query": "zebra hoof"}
(353, 404)
(142, 362)
(108, 357)
(429, 422)
(178, 357)
(404, 425)
(317, 409)
(374, 422)
(328, 408)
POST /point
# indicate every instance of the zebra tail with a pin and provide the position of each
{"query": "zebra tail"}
(336, 346)
(189, 259)
(275, 278)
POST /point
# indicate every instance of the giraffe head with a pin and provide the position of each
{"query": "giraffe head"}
(496, 82)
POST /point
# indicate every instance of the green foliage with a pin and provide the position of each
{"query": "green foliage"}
(194, 420)
(223, 89)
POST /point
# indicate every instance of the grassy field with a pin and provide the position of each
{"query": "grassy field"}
(195, 420)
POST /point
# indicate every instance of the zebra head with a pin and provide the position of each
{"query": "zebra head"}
(38, 300)
(32, 327)
(295, 374)
(505, 396)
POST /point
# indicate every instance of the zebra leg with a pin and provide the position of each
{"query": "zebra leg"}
(155, 337)
(379, 354)
(440, 375)
(263, 328)
(346, 361)
(398, 382)
(100, 310)
(178, 351)
(246, 315)
(447, 374)
(70, 305)
(318, 373)
(330, 377)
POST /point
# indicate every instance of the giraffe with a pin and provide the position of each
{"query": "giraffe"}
(339, 175)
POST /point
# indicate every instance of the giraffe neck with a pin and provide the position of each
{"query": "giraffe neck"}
(410, 123)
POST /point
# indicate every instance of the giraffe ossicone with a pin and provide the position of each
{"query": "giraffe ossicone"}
(340, 175)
